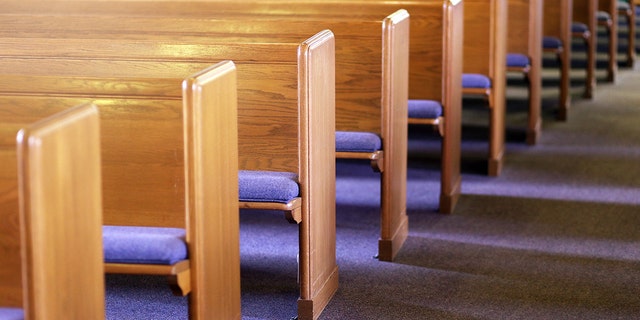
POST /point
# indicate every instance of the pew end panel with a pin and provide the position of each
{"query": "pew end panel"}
(525, 17)
(557, 25)
(485, 50)
(211, 192)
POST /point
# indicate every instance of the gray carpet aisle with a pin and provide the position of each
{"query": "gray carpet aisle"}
(556, 236)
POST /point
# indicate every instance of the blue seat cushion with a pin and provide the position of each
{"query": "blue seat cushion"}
(474, 80)
(424, 109)
(268, 186)
(623, 5)
(143, 245)
(354, 141)
(517, 60)
(11, 314)
(579, 27)
(603, 16)
(551, 43)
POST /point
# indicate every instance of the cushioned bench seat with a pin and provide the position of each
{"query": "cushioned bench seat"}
(579, 27)
(353, 141)
(474, 80)
(11, 314)
(144, 245)
(424, 109)
(268, 186)
(551, 43)
(517, 60)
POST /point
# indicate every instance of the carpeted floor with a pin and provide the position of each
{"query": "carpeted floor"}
(556, 236)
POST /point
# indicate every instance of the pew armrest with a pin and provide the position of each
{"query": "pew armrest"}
(177, 273)
(292, 209)
(375, 157)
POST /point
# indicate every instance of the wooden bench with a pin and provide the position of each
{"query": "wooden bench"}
(484, 68)
(267, 110)
(583, 27)
(558, 16)
(142, 140)
(525, 56)
(627, 12)
(50, 201)
(370, 88)
(607, 18)
(433, 72)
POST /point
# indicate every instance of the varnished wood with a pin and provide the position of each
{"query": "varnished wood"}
(283, 78)
(60, 201)
(525, 18)
(370, 88)
(485, 49)
(629, 15)
(433, 25)
(584, 11)
(558, 16)
(611, 26)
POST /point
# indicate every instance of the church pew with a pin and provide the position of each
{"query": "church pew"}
(484, 68)
(279, 94)
(626, 13)
(371, 84)
(525, 18)
(607, 18)
(211, 272)
(558, 16)
(434, 74)
(50, 189)
(584, 26)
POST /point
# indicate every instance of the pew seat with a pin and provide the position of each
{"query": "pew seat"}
(427, 112)
(271, 190)
(518, 62)
(11, 313)
(475, 83)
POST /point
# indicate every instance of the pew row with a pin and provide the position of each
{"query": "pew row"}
(557, 41)
(269, 108)
(149, 79)
(371, 85)
(50, 188)
(215, 292)
(433, 75)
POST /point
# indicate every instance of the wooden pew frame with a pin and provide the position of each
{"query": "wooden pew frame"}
(525, 17)
(584, 11)
(557, 23)
(488, 57)
(42, 164)
(425, 83)
(317, 287)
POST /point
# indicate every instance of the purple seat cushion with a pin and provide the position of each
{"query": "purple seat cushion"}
(353, 141)
(11, 314)
(474, 80)
(268, 186)
(579, 27)
(603, 16)
(517, 60)
(551, 43)
(143, 245)
(424, 109)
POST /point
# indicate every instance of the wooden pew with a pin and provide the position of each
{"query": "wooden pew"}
(558, 16)
(434, 73)
(627, 13)
(584, 26)
(51, 207)
(371, 85)
(485, 49)
(132, 127)
(607, 17)
(279, 65)
(525, 18)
